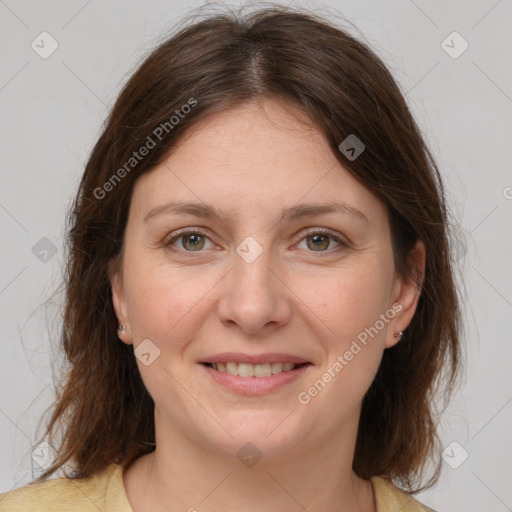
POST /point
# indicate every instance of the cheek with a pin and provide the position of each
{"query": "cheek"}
(352, 304)
(166, 305)
(348, 300)
(162, 299)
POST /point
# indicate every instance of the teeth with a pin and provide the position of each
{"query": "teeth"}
(276, 368)
(253, 370)
(232, 368)
(245, 370)
(262, 370)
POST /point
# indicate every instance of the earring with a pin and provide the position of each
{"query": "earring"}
(399, 334)
(121, 328)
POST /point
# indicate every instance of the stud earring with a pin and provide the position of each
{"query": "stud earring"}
(399, 334)
(121, 328)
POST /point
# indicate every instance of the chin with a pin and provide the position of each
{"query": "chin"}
(269, 432)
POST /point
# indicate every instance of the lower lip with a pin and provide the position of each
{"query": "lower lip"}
(255, 385)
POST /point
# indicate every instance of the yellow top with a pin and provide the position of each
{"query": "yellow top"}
(105, 492)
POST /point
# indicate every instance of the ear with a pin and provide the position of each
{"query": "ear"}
(119, 301)
(406, 293)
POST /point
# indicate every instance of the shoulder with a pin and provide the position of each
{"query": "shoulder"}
(101, 491)
(390, 499)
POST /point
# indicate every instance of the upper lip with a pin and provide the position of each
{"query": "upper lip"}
(237, 357)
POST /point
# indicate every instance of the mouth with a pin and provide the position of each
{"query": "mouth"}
(254, 379)
(248, 370)
(254, 374)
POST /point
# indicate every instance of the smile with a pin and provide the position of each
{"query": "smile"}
(253, 370)
(254, 379)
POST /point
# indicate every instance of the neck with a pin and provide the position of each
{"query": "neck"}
(186, 476)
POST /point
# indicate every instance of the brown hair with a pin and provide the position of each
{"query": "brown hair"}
(103, 409)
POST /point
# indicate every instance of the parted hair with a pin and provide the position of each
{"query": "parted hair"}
(103, 412)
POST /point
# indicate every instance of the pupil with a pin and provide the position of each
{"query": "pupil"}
(194, 241)
(318, 239)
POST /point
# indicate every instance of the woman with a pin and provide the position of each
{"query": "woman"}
(260, 300)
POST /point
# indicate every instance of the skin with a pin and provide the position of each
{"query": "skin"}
(296, 297)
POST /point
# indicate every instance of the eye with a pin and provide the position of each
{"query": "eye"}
(193, 239)
(318, 240)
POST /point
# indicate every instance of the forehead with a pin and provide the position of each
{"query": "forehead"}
(254, 157)
(255, 134)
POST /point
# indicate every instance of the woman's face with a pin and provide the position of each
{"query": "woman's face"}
(254, 282)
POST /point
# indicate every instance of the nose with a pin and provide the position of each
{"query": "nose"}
(255, 297)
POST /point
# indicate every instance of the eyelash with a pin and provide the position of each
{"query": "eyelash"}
(312, 232)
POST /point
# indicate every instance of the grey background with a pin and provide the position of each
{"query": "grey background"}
(51, 114)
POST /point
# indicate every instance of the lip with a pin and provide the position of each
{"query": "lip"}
(236, 357)
(255, 385)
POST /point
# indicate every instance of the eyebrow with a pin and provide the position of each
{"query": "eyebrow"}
(295, 212)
